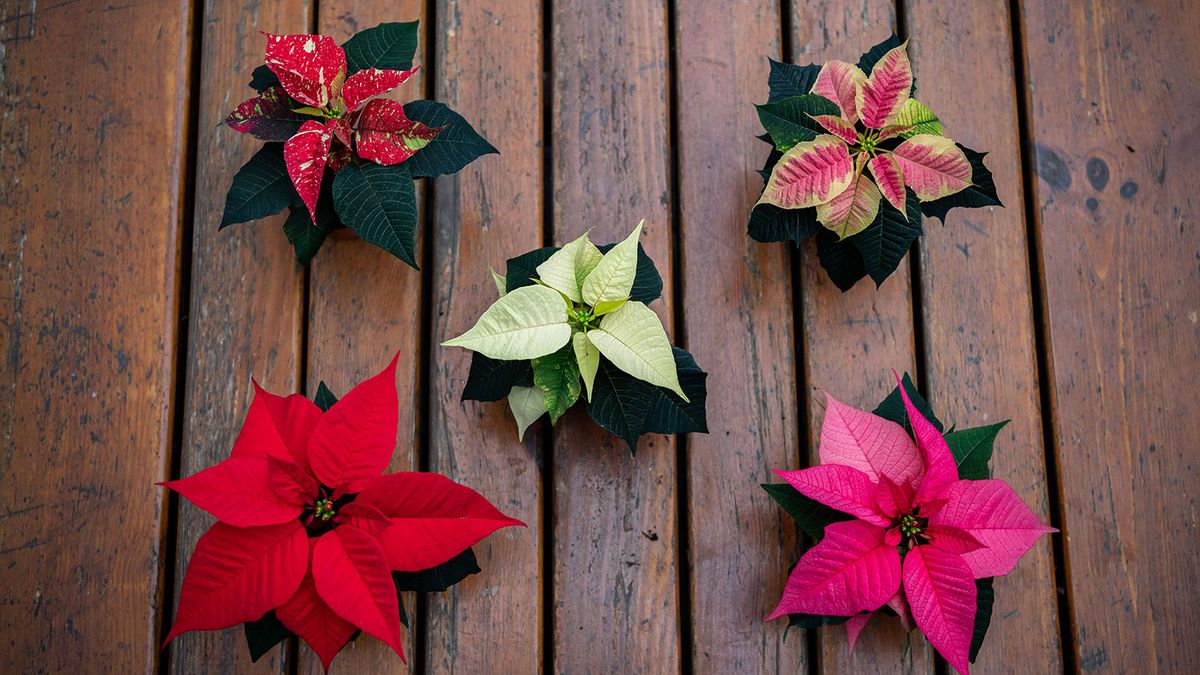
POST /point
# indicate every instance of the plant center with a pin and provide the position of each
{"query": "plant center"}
(582, 317)
(912, 525)
(323, 509)
(867, 142)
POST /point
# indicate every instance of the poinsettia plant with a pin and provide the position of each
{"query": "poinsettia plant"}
(336, 154)
(312, 538)
(856, 160)
(574, 322)
(908, 520)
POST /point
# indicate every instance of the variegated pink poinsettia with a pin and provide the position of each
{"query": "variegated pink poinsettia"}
(339, 116)
(920, 537)
(881, 131)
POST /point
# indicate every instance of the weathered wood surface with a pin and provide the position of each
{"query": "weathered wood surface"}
(1085, 333)
(1112, 107)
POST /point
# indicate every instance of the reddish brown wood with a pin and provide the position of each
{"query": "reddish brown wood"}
(364, 307)
(1112, 110)
(90, 219)
(615, 546)
(737, 315)
(853, 340)
(488, 67)
(244, 320)
(978, 318)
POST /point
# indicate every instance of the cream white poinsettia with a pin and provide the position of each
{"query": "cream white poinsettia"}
(578, 310)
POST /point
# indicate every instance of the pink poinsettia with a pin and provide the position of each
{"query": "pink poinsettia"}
(339, 116)
(920, 537)
(880, 142)
(309, 525)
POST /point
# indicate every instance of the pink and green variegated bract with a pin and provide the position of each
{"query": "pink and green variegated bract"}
(338, 115)
(920, 537)
(873, 109)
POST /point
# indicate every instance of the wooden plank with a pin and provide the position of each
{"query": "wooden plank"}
(615, 553)
(488, 67)
(977, 302)
(1112, 110)
(735, 288)
(90, 217)
(364, 306)
(245, 314)
(853, 340)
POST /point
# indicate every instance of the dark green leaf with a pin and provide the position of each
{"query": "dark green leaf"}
(810, 515)
(491, 379)
(440, 578)
(813, 621)
(789, 121)
(455, 146)
(522, 270)
(379, 203)
(400, 605)
(840, 258)
(772, 160)
(628, 407)
(892, 407)
(985, 597)
(788, 80)
(388, 46)
(867, 62)
(260, 188)
(972, 450)
(325, 397)
(770, 223)
(647, 283)
(557, 375)
(305, 235)
(885, 242)
(262, 635)
(263, 79)
(981, 192)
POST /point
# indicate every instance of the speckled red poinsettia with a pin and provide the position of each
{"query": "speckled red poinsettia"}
(311, 527)
(338, 115)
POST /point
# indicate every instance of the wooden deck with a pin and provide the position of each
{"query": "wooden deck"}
(131, 326)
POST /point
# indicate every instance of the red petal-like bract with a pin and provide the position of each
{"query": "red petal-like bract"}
(386, 136)
(238, 574)
(277, 425)
(371, 82)
(940, 468)
(886, 90)
(432, 518)
(941, 593)
(354, 440)
(951, 539)
(840, 487)
(310, 67)
(993, 513)
(341, 131)
(352, 577)
(810, 173)
(838, 127)
(854, 627)
(839, 82)
(890, 180)
(290, 481)
(309, 616)
(267, 116)
(239, 492)
(933, 166)
(853, 210)
(305, 154)
(851, 570)
(869, 443)
(363, 516)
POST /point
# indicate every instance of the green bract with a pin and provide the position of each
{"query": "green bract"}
(573, 323)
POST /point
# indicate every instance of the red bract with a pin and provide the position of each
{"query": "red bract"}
(312, 71)
(920, 537)
(310, 526)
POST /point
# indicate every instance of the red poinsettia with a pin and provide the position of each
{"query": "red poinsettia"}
(920, 537)
(338, 116)
(311, 527)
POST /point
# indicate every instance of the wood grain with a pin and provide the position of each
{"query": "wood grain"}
(489, 67)
(738, 323)
(615, 546)
(364, 307)
(852, 341)
(1112, 111)
(246, 301)
(91, 213)
(977, 301)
